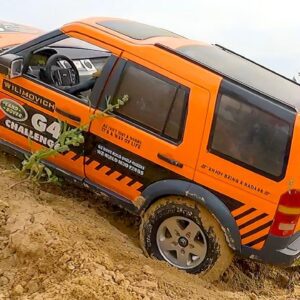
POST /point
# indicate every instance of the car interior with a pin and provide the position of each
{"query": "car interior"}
(70, 65)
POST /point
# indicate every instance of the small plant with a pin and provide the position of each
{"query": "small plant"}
(34, 168)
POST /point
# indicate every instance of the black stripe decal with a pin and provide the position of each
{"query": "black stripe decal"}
(109, 172)
(89, 161)
(261, 239)
(130, 183)
(140, 189)
(99, 166)
(252, 221)
(122, 176)
(245, 213)
(264, 226)
(75, 157)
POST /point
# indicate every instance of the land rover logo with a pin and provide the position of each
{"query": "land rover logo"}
(13, 110)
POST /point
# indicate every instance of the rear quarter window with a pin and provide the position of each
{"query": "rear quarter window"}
(251, 131)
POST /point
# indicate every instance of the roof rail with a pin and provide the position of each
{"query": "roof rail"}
(252, 61)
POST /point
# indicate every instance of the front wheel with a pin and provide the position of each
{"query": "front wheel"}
(183, 233)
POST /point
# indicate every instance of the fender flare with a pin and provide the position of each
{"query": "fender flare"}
(203, 196)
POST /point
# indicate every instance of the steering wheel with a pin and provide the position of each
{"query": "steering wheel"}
(60, 76)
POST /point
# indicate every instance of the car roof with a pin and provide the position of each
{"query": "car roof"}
(12, 34)
(213, 57)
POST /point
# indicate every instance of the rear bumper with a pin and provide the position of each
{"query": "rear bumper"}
(277, 251)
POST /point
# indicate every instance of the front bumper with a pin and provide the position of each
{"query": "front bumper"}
(277, 251)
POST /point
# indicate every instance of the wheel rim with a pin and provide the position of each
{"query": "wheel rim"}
(181, 242)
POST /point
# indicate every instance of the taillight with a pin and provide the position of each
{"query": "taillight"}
(287, 214)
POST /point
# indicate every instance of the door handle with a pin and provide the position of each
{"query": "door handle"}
(68, 115)
(170, 160)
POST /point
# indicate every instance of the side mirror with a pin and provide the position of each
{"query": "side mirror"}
(11, 65)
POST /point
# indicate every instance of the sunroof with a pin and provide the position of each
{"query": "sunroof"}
(136, 30)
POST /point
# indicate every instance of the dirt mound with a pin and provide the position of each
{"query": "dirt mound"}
(65, 243)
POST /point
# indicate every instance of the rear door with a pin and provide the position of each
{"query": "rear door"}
(154, 136)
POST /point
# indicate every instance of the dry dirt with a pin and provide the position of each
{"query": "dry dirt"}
(66, 243)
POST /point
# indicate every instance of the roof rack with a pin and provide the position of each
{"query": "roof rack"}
(287, 96)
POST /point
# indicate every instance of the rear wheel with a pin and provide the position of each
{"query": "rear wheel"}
(183, 233)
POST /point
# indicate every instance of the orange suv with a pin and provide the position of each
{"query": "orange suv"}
(205, 150)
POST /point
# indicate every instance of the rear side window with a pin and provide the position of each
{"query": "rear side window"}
(155, 102)
(252, 131)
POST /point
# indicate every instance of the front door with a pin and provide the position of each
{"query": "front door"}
(32, 109)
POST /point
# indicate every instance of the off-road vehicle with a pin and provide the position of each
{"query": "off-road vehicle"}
(206, 150)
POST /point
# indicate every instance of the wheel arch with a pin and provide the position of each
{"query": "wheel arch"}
(201, 195)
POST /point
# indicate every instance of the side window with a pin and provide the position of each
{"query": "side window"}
(70, 65)
(248, 135)
(155, 102)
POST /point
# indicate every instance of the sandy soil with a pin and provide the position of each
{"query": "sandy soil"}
(66, 243)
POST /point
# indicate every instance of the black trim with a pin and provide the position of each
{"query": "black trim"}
(277, 250)
(262, 103)
(100, 84)
(68, 115)
(114, 83)
(170, 109)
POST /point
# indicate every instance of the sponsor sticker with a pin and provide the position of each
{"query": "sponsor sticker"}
(121, 160)
(30, 123)
(13, 110)
(28, 95)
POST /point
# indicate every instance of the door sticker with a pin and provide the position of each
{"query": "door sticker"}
(28, 95)
(121, 160)
(121, 136)
(30, 123)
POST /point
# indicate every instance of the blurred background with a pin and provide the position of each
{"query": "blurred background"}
(266, 31)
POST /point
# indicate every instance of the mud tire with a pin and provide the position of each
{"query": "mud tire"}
(218, 256)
